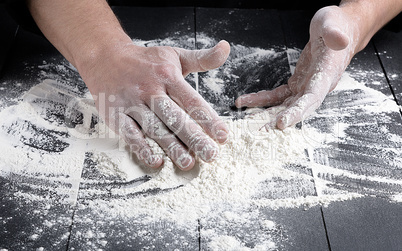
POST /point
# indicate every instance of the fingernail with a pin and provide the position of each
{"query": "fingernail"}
(153, 160)
(144, 154)
(150, 159)
(222, 136)
(269, 126)
(209, 152)
(283, 122)
(129, 133)
(221, 130)
(184, 161)
(239, 102)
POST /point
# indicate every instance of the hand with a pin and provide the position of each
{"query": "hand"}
(332, 44)
(141, 92)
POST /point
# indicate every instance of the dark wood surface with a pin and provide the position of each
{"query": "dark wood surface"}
(367, 223)
(122, 233)
(388, 43)
(8, 31)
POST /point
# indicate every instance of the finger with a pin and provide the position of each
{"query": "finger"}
(329, 23)
(204, 59)
(272, 117)
(325, 72)
(181, 124)
(197, 108)
(299, 110)
(301, 70)
(131, 133)
(264, 98)
(156, 130)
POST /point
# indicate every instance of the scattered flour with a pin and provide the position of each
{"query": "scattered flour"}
(225, 242)
(33, 145)
(397, 197)
(268, 224)
(249, 158)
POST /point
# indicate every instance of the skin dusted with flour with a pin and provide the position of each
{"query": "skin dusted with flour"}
(132, 95)
(336, 35)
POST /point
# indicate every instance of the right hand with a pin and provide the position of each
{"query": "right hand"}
(141, 92)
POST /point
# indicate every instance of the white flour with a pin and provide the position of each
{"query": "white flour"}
(247, 159)
(225, 189)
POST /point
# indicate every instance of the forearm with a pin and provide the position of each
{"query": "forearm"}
(370, 16)
(80, 29)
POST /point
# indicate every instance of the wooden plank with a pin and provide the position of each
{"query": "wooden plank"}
(101, 222)
(253, 28)
(365, 68)
(258, 61)
(22, 70)
(364, 151)
(30, 223)
(97, 229)
(388, 45)
(8, 30)
(32, 214)
(364, 224)
(365, 220)
(298, 228)
(156, 23)
(265, 228)
(296, 25)
(369, 223)
(359, 152)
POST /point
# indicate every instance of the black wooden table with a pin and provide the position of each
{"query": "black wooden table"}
(372, 222)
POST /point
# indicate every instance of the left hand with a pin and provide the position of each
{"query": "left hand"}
(321, 64)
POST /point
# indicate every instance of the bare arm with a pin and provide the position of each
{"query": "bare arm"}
(81, 30)
(370, 16)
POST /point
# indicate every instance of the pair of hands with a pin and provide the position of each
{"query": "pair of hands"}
(144, 93)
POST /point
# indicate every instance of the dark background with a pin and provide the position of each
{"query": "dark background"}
(271, 4)
(17, 8)
(254, 4)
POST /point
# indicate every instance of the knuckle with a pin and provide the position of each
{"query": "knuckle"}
(130, 132)
(157, 131)
(202, 115)
(166, 71)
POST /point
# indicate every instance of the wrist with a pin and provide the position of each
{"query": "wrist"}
(369, 16)
(99, 49)
(361, 23)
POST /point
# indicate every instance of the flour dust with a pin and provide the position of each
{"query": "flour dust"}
(53, 133)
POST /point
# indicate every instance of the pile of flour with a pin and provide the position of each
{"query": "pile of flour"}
(248, 158)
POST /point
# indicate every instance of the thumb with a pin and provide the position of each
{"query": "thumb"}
(331, 24)
(203, 60)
